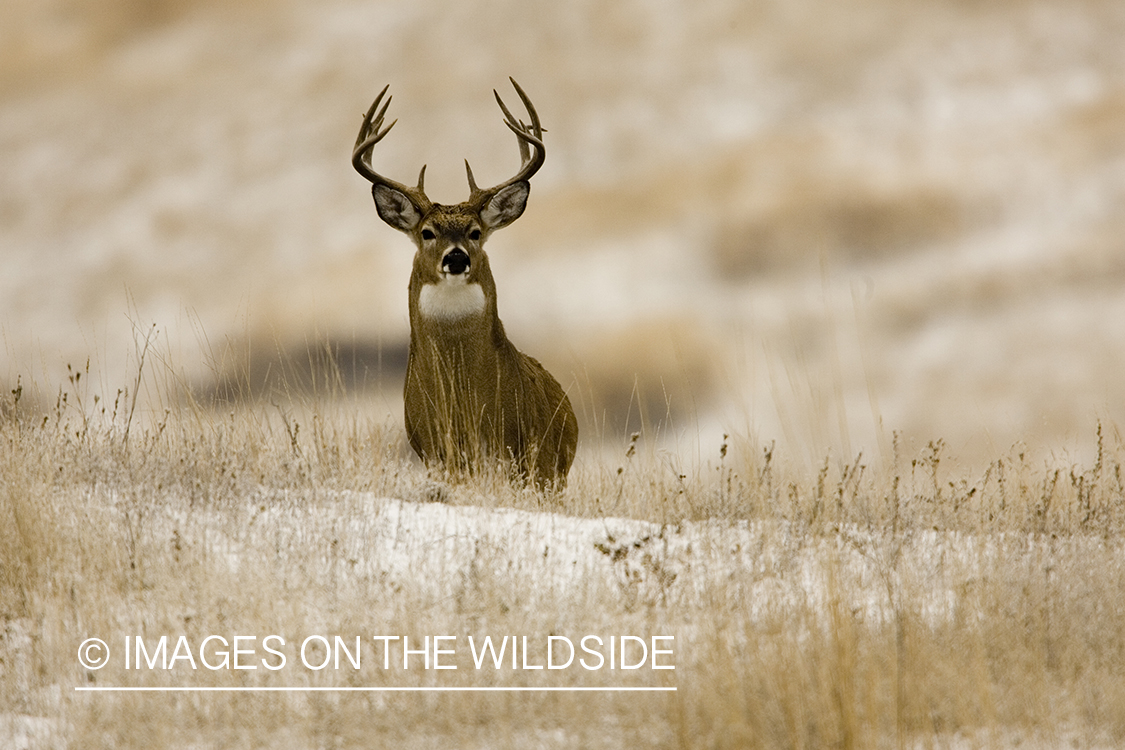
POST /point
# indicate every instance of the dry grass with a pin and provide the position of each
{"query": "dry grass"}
(187, 519)
(964, 155)
(960, 162)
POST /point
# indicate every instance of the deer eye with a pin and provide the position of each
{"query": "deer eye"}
(427, 234)
(474, 235)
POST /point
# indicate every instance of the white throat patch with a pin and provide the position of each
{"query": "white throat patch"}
(451, 300)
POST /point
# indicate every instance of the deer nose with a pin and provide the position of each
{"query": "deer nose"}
(456, 262)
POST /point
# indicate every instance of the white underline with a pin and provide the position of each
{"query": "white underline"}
(112, 689)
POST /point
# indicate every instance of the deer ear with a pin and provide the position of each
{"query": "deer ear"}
(396, 208)
(506, 206)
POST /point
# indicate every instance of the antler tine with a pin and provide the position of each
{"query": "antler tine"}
(472, 183)
(528, 135)
(370, 133)
(538, 130)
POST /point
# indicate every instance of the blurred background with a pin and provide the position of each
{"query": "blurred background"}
(809, 222)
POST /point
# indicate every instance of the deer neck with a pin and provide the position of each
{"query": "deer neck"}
(454, 326)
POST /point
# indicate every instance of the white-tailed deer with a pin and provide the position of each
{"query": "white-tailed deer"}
(472, 398)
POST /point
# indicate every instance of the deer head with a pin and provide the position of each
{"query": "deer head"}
(450, 239)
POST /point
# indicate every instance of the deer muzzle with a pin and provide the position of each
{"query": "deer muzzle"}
(455, 262)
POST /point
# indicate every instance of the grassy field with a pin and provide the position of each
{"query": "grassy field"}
(900, 605)
(769, 235)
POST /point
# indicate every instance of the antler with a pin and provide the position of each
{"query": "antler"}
(369, 135)
(528, 134)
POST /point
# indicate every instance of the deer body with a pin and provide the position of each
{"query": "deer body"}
(471, 398)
